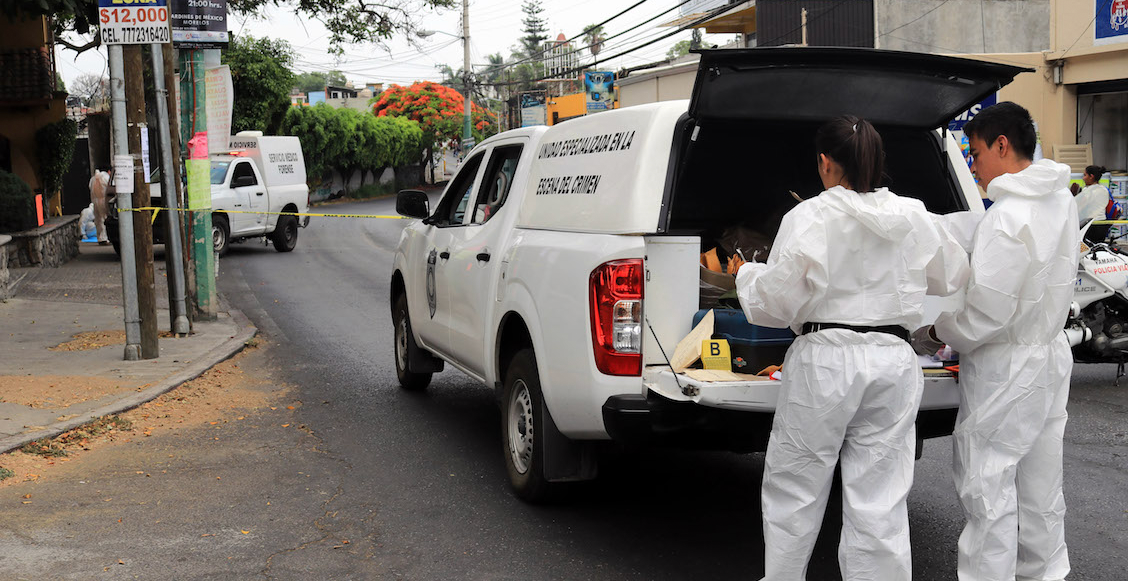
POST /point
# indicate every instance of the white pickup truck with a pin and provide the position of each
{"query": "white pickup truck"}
(256, 174)
(561, 265)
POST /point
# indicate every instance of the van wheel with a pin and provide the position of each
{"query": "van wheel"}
(408, 380)
(285, 235)
(221, 234)
(521, 429)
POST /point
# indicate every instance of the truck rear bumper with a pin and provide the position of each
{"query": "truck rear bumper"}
(737, 416)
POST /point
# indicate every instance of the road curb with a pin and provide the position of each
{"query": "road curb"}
(215, 356)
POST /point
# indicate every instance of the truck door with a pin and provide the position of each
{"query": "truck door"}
(250, 196)
(475, 258)
(430, 317)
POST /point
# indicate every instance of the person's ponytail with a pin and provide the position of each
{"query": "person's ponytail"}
(855, 145)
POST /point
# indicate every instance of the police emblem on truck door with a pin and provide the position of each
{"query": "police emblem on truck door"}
(432, 299)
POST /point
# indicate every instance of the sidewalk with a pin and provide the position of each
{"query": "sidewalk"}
(62, 344)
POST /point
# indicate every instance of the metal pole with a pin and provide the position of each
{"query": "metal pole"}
(124, 202)
(172, 244)
(466, 103)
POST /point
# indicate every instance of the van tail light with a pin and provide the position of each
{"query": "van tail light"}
(616, 316)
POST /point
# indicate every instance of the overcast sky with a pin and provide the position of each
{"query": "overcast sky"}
(495, 26)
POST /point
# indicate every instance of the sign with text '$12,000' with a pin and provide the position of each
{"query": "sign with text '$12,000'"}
(133, 21)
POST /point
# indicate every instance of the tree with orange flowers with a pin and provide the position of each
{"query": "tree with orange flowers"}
(438, 109)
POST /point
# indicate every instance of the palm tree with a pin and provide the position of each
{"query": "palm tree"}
(593, 38)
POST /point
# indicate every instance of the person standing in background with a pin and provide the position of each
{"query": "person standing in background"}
(1093, 199)
(99, 184)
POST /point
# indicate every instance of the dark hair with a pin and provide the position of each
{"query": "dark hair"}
(855, 145)
(1096, 170)
(1005, 118)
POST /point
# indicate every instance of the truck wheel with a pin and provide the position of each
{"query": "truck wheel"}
(408, 380)
(221, 234)
(285, 235)
(521, 429)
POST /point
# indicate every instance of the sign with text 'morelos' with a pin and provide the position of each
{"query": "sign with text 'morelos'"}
(199, 23)
(133, 21)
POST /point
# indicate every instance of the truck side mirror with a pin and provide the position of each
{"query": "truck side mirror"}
(413, 204)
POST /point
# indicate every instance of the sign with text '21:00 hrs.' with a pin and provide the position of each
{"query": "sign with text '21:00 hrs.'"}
(133, 21)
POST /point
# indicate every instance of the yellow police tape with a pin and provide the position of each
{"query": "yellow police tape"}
(156, 210)
(1110, 222)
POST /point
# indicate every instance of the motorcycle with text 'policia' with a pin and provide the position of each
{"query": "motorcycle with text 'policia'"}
(1097, 326)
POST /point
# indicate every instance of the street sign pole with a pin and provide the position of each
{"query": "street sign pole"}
(194, 123)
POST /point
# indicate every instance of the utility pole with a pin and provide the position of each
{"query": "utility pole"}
(142, 231)
(467, 136)
(194, 132)
(169, 61)
(124, 203)
(177, 309)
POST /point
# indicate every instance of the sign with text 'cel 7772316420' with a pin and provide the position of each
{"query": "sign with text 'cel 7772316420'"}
(133, 21)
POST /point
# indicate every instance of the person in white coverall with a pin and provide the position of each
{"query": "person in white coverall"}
(1015, 363)
(848, 272)
(99, 182)
(1093, 198)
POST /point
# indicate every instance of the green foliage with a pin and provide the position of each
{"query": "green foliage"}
(318, 80)
(261, 77)
(54, 144)
(45, 447)
(321, 136)
(17, 204)
(76, 15)
(593, 38)
(534, 28)
(374, 191)
(680, 49)
(6, 473)
(353, 22)
(349, 141)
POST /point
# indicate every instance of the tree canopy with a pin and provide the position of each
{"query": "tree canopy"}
(534, 28)
(262, 80)
(318, 80)
(437, 108)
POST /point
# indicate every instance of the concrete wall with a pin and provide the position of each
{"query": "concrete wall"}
(964, 26)
(660, 84)
(19, 123)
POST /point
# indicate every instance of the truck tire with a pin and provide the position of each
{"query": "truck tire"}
(285, 235)
(221, 234)
(408, 380)
(522, 429)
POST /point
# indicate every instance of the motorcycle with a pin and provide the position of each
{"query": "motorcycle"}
(1097, 326)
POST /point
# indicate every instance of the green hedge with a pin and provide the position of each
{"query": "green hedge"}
(54, 145)
(17, 204)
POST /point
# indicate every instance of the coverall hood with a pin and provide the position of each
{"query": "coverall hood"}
(1041, 178)
(880, 211)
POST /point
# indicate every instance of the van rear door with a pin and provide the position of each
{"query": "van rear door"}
(888, 88)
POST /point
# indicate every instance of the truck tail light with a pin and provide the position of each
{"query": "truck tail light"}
(616, 316)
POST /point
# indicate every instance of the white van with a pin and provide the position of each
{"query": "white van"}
(562, 264)
(256, 174)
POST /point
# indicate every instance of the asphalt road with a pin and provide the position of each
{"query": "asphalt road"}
(416, 485)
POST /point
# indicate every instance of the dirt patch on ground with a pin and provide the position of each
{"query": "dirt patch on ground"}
(226, 393)
(88, 340)
(60, 391)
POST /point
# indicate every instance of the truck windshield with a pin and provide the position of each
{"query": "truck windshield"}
(219, 171)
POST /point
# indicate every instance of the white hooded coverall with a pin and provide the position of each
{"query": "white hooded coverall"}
(1092, 202)
(1015, 366)
(863, 260)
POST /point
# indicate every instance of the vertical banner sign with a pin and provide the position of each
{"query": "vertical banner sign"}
(219, 102)
(600, 90)
(145, 152)
(199, 23)
(533, 108)
(199, 173)
(1111, 23)
(133, 21)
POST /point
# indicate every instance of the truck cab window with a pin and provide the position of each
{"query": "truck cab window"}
(452, 208)
(497, 182)
(244, 175)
